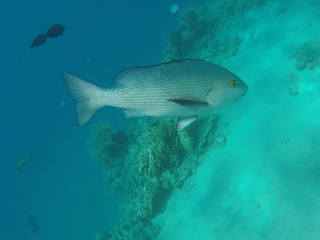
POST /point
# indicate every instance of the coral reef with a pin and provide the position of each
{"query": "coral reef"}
(306, 57)
(200, 30)
(293, 88)
(145, 162)
(108, 147)
(106, 143)
(197, 30)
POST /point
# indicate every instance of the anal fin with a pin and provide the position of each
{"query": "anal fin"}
(128, 113)
(185, 121)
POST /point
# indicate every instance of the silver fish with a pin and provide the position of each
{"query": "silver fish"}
(23, 162)
(182, 88)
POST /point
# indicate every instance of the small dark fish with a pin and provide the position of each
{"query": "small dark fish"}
(30, 222)
(35, 229)
(32, 225)
(55, 31)
(24, 161)
(40, 39)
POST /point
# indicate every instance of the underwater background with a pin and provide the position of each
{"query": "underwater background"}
(250, 171)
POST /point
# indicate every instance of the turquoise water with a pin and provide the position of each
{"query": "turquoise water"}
(62, 186)
(261, 184)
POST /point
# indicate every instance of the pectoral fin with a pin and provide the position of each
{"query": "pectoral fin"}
(184, 121)
(190, 104)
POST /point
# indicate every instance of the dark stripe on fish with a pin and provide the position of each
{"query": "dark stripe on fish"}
(190, 104)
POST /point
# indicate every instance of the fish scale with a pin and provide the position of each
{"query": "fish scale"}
(183, 89)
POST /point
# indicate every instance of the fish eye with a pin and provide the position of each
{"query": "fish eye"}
(233, 83)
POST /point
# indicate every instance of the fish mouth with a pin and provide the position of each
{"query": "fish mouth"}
(238, 97)
(244, 93)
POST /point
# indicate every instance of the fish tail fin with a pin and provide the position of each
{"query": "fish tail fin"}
(86, 96)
